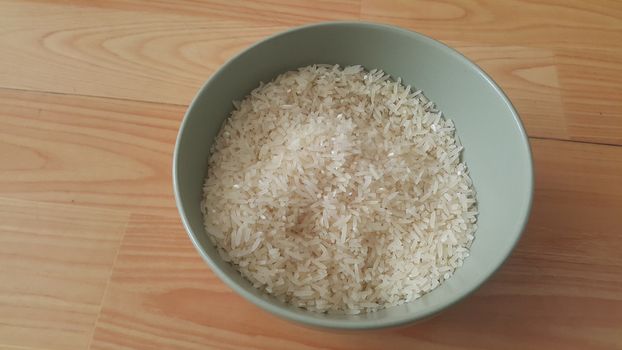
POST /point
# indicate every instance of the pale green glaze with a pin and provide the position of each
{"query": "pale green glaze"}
(496, 148)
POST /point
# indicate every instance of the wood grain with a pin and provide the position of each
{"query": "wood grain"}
(90, 151)
(55, 263)
(536, 51)
(162, 295)
(163, 57)
(92, 252)
(549, 24)
(591, 83)
(295, 12)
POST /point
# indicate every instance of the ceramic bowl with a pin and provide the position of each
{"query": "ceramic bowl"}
(496, 148)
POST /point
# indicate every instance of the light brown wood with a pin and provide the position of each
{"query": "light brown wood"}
(55, 262)
(89, 151)
(558, 62)
(93, 254)
(572, 24)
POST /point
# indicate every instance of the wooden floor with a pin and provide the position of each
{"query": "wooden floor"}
(93, 254)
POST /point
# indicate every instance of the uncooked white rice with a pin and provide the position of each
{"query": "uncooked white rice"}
(339, 190)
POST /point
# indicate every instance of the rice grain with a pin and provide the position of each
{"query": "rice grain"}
(339, 190)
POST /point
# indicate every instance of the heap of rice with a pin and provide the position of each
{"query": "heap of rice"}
(339, 190)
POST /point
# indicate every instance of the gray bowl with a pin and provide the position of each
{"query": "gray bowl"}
(496, 148)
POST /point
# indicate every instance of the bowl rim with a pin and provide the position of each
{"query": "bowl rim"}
(346, 324)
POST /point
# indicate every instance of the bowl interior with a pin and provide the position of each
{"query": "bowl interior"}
(496, 149)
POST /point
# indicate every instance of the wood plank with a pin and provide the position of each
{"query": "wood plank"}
(114, 53)
(561, 288)
(591, 83)
(544, 24)
(13, 347)
(117, 51)
(91, 151)
(294, 12)
(562, 91)
(55, 264)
